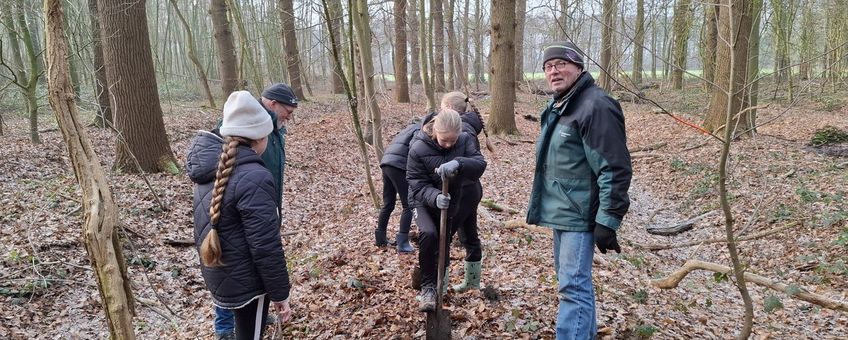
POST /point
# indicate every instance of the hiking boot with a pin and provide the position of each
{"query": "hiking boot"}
(427, 300)
(380, 238)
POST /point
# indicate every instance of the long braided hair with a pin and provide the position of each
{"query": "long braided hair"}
(460, 102)
(210, 249)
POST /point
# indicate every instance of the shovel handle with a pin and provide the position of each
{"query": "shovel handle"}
(443, 235)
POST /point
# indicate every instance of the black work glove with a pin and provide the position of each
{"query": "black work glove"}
(605, 239)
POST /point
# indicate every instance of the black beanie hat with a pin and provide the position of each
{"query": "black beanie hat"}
(564, 50)
(281, 93)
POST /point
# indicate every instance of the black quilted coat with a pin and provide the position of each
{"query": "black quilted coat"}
(249, 226)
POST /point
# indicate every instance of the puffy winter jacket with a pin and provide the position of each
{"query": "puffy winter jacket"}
(471, 124)
(583, 167)
(396, 153)
(425, 155)
(249, 226)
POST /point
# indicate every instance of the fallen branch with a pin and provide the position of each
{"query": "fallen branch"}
(796, 292)
(680, 227)
(716, 240)
(649, 147)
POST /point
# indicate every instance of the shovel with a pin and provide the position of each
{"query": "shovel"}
(438, 322)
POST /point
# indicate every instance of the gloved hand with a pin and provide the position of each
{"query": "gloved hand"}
(442, 201)
(448, 169)
(605, 239)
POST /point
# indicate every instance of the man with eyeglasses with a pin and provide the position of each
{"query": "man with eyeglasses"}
(580, 183)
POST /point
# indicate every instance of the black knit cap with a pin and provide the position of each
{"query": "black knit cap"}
(564, 50)
(281, 93)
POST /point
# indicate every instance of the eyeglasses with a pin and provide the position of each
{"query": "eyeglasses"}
(560, 66)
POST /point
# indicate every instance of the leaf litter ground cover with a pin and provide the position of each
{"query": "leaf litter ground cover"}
(344, 287)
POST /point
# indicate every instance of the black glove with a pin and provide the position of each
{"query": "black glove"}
(605, 239)
(442, 201)
(448, 169)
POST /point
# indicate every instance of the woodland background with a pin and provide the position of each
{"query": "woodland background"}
(99, 100)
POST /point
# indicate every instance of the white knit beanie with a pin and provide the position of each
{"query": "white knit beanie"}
(245, 117)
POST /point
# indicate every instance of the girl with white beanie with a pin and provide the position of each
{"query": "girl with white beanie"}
(236, 221)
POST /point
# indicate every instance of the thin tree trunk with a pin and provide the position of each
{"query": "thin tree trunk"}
(101, 213)
(438, 39)
(711, 12)
(681, 27)
(414, 44)
(605, 78)
(639, 43)
(246, 52)
(478, 46)
(452, 51)
(290, 43)
(337, 24)
(362, 21)
(357, 128)
(104, 109)
(401, 78)
(425, 77)
(520, 15)
(192, 55)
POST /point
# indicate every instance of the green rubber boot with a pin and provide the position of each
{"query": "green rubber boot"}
(472, 277)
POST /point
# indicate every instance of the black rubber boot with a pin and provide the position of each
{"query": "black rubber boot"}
(380, 238)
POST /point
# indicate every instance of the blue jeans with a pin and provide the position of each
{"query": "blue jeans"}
(224, 320)
(573, 253)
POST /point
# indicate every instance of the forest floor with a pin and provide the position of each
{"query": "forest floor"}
(344, 287)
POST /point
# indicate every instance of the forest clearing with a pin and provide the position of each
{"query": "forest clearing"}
(97, 223)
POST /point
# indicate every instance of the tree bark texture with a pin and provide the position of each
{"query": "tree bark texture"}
(363, 35)
(227, 62)
(438, 39)
(401, 79)
(290, 45)
(717, 112)
(414, 44)
(639, 42)
(605, 78)
(681, 26)
(143, 143)
(520, 16)
(101, 213)
(502, 69)
(711, 12)
(335, 8)
(423, 59)
(104, 109)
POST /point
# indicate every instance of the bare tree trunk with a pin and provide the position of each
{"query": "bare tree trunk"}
(247, 61)
(362, 21)
(681, 27)
(520, 15)
(639, 42)
(104, 109)
(336, 16)
(290, 44)
(101, 214)
(502, 70)
(754, 61)
(562, 21)
(605, 78)
(192, 55)
(25, 75)
(414, 44)
(711, 12)
(478, 46)
(452, 51)
(438, 39)
(227, 63)
(143, 144)
(401, 78)
(357, 128)
(805, 69)
(425, 77)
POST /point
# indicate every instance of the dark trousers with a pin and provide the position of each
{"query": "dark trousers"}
(427, 220)
(466, 221)
(394, 184)
(250, 319)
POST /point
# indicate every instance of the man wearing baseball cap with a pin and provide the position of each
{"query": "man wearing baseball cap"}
(580, 183)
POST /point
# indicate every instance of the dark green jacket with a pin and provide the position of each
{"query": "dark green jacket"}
(583, 167)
